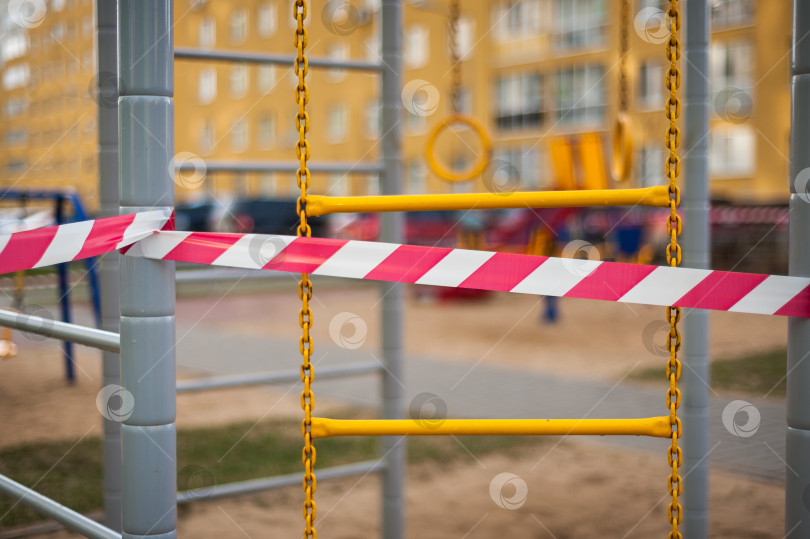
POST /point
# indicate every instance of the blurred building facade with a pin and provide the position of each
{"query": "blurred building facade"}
(533, 71)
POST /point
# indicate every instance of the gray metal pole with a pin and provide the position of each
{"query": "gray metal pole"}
(797, 485)
(393, 448)
(107, 100)
(96, 338)
(696, 245)
(146, 147)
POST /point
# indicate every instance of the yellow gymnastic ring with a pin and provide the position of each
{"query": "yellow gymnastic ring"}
(477, 167)
(622, 162)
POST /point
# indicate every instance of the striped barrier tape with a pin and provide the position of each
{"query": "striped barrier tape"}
(149, 235)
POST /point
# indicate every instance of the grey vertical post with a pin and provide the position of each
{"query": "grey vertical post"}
(393, 448)
(146, 145)
(107, 100)
(797, 484)
(696, 242)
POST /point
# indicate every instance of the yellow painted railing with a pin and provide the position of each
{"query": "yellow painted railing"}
(649, 196)
(650, 426)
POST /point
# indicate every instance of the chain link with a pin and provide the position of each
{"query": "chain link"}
(672, 168)
(455, 57)
(623, 47)
(305, 286)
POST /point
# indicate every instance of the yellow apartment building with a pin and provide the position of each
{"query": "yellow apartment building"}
(533, 72)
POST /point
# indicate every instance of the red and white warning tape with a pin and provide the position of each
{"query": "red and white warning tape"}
(524, 274)
(63, 243)
(149, 235)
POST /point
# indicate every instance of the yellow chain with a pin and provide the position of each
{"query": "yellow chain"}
(624, 46)
(455, 57)
(672, 168)
(305, 286)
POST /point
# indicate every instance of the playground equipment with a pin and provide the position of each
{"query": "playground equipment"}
(622, 141)
(146, 312)
(457, 118)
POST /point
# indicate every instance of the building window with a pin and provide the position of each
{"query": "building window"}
(239, 135)
(580, 96)
(731, 150)
(267, 19)
(13, 46)
(16, 137)
(650, 166)
(238, 25)
(87, 27)
(339, 52)
(417, 46)
(207, 87)
(207, 137)
(268, 184)
(514, 20)
(465, 39)
(338, 185)
(731, 12)
(372, 185)
(519, 102)
(415, 123)
(518, 167)
(208, 32)
(16, 76)
(267, 131)
(730, 77)
(338, 123)
(15, 107)
(239, 80)
(372, 120)
(417, 177)
(650, 85)
(266, 78)
(16, 166)
(579, 23)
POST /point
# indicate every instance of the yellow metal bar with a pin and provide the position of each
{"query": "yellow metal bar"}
(649, 196)
(650, 426)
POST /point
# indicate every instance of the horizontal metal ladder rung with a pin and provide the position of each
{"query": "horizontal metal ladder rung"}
(337, 167)
(648, 196)
(649, 426)
(261, 378)
(47, 327)
(55, 510)
(279, 481)
(184, 53)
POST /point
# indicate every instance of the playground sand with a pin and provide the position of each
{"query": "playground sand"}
(578, 488)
